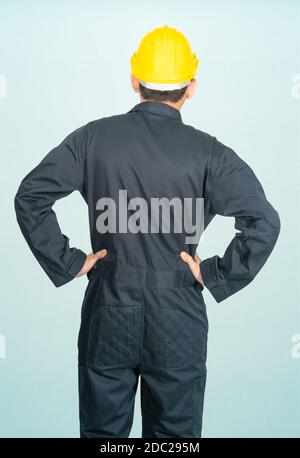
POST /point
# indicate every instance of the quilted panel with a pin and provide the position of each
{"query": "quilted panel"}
(115, 335)
(175, 328)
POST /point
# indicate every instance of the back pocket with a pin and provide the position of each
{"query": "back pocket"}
(115, 334)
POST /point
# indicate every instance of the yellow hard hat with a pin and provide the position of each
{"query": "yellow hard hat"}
(164, 60)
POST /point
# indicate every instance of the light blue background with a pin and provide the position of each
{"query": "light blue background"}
(66, 63)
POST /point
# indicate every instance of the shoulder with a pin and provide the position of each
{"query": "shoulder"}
(218, 155)
(223, 159)
(205, 139)
(107, 121)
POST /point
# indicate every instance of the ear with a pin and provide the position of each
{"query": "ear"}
(191, 89)
(135, 83)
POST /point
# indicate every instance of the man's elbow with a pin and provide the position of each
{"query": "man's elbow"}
(18, 202)
(272, 228)
(20, 205)
(275, 224)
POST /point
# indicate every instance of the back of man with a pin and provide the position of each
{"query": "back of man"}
(152, 184)
(144, 312)
(149, 160)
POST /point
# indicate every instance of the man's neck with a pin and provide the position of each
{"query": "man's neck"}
(176, 105)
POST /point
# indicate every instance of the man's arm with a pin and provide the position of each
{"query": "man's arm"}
(232, 189)
(58, 174)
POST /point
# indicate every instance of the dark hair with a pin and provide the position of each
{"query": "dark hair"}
(162, 96)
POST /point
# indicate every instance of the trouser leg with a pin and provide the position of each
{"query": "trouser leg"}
(172, 403)
(173, 369)
(109, 348)
(106, 401)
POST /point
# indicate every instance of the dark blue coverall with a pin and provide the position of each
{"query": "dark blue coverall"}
(143, 312)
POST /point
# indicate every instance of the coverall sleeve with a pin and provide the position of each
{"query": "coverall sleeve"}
(57, 175)
(232, 189)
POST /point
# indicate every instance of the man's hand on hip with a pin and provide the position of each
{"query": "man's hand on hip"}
(90, 261)
(194, 265)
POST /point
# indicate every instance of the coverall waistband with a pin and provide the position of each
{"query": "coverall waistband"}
(123, 273)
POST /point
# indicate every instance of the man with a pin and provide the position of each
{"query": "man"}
(143, 312)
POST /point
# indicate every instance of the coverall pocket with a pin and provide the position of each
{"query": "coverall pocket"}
(176, 331)
(115, 335)
(175, 344)
(168, 325)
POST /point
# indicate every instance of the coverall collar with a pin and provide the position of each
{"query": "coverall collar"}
(159, 108)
